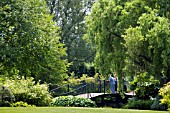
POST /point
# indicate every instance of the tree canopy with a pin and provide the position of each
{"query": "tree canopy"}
(29, 41)
(69, 15)
(131, 38)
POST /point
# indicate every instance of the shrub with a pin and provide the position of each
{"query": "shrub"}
(21, 104)
(165, 93)
(139, 104)
(27, 90)
(158, 106)
(5, 104)
(72, 101)
(6, 96)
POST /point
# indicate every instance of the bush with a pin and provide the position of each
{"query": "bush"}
(158, 106)
(5, 104)
(21, 104)
(27, 90)
(139, 104)
(165, 93)
(6, 96)
(72, 101)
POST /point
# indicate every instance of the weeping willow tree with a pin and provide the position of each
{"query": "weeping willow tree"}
(119, 30)
(103, 32)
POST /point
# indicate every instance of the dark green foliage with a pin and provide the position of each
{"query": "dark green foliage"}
(84, 68)
(146, 104)
(6, 96)
(158, 106)
(139, 104)
(5, 104)
(72, 101)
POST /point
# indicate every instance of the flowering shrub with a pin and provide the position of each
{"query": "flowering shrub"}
(165, 93)
(27, 90)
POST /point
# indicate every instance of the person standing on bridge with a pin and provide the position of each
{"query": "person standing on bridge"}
(112, 83)
(116, 82)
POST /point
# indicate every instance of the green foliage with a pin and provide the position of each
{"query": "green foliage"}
(72, 101)
(151, 42)
(153, 104)
(5, 104)
(69, 15)
(144, 86)
(6, 94)
(165, 93)
(27, 90)
(85, 78)
(107, 24)
(157, 105)
(76, 85)
(30, 41)
(104, 34)
(148, 51)
(21, 104)
(161, 5)
(139, 104)
(131, 38)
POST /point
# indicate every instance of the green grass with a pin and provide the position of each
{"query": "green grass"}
(71, 110)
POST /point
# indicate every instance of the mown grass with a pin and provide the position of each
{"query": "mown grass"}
(71, 110)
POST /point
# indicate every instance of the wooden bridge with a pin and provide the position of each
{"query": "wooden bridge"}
(99, 86)
(112, 100)
(98, 92)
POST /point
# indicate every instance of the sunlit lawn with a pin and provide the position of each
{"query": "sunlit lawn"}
(71, 110)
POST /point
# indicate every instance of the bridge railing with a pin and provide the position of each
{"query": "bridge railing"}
(99, 86)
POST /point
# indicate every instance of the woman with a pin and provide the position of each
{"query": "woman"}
(116, 81)
(112, 84)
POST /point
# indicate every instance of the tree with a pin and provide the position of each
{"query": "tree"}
(114, 28)
(148, 46)
(30, 41)
(69, 15)
(106, 25)
(141, 59)
(107, 39)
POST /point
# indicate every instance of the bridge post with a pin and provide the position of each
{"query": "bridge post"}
(85, 87)
(104, 86)
(68, 88)
(100, 86)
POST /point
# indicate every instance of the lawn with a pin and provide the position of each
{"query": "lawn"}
(71, 110)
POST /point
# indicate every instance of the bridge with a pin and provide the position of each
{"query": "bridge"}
(98, 86)
(98, 91)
